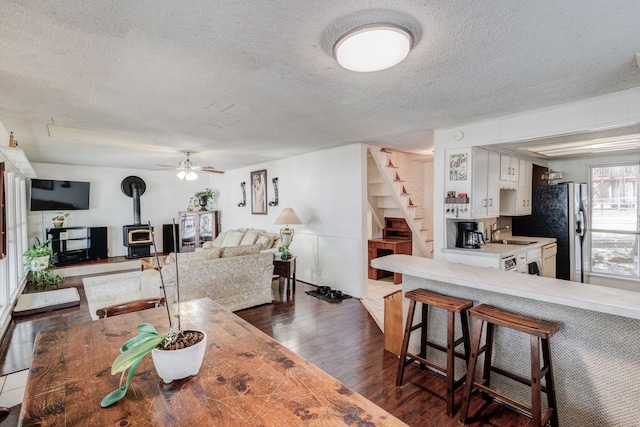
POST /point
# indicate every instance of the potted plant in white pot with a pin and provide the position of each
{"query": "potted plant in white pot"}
(176, 355)
(58, 219)
(39, 258)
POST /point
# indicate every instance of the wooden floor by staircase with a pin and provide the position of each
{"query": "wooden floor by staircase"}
(340, 338)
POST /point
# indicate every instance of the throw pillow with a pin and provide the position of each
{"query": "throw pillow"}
(240, 250)
(233, 238)
(208, 244)
(218, 242)
(249, 237)
(265, 242)
(277, 243)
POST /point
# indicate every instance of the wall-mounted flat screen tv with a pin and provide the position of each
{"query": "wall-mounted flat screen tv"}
(52, 195)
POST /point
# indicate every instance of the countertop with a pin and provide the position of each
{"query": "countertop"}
(602, 299)
(499, 250)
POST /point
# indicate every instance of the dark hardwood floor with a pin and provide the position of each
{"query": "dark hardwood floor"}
(340, 338)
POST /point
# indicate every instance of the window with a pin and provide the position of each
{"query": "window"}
(615, 223)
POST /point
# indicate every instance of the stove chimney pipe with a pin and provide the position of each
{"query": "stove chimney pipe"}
(134, 187)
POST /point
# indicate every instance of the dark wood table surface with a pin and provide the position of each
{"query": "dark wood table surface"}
(247, 378)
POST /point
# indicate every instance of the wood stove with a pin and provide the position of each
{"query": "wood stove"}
(136, 237)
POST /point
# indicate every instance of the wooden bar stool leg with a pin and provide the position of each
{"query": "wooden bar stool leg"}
(405, 343)
(488, 354)
(536, 392)
(549, 383)
(464, 320)
(451, 323)
(423, 335)
(471, 368)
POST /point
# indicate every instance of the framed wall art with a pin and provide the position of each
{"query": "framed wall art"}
(259, 192)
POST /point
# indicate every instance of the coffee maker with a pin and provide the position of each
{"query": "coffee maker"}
(468, 236)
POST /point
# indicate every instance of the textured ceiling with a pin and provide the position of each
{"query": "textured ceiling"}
(240, 82)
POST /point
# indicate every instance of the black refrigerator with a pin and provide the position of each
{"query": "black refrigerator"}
(560, 211)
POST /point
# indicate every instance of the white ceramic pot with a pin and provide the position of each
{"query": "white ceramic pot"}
(40, 263)
(177, 364)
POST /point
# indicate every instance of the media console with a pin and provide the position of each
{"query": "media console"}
(72, 245)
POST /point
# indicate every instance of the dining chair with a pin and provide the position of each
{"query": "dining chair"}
(129, 307)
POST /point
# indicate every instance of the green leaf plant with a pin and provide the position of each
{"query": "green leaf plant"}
(131, 354)
(42, 277)
(133, 351)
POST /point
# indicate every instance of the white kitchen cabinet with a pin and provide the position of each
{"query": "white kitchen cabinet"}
(517, 201)
(485, 194)
(509, 167)
(524, 188)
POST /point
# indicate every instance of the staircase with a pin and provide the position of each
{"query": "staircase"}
(388, 196)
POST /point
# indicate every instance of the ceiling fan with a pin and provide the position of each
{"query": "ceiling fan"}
(187, 169)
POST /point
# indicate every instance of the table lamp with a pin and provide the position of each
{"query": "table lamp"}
(286, 217)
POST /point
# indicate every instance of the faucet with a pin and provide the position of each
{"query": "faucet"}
(495, 230)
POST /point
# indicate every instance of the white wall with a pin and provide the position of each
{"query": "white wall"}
(326, 188)
(164, 197)
(327, 191)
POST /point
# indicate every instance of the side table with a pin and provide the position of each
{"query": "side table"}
(286, 268)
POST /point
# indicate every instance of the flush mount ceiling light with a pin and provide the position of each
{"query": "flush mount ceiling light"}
(373, 47)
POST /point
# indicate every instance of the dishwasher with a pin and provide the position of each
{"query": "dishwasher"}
(549, 260)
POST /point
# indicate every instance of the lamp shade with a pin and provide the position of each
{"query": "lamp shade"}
(288, 216)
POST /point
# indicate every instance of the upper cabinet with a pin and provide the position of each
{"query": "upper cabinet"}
(485, 195)
(524, 188)
(509, 174)
(482, 183)
(516, 202)
(472, 183)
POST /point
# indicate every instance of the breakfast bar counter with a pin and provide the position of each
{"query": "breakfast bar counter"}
(596, 352)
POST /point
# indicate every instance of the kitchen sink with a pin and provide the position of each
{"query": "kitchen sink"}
(512, 242)
(517, 242)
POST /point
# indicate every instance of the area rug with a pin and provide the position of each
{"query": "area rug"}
(103, 291)
(39, 302)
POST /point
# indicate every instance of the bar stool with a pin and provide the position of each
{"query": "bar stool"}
(451, 305)
(540, 331)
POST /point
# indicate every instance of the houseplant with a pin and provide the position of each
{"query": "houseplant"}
(203, 198)
(177, 354)
(39, 258)
(58, 219)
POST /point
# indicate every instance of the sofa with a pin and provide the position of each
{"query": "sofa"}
(236, 277)
(269, 242)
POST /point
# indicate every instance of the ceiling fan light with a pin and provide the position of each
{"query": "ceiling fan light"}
(373, 47)
(191, 176)
(181, 174)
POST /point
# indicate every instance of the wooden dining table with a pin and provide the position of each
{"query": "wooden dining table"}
(246, 378)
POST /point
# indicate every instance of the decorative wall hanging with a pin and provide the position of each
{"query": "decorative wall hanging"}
(243, 203)
(458, 167)
(274, 202)
(259, 192)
